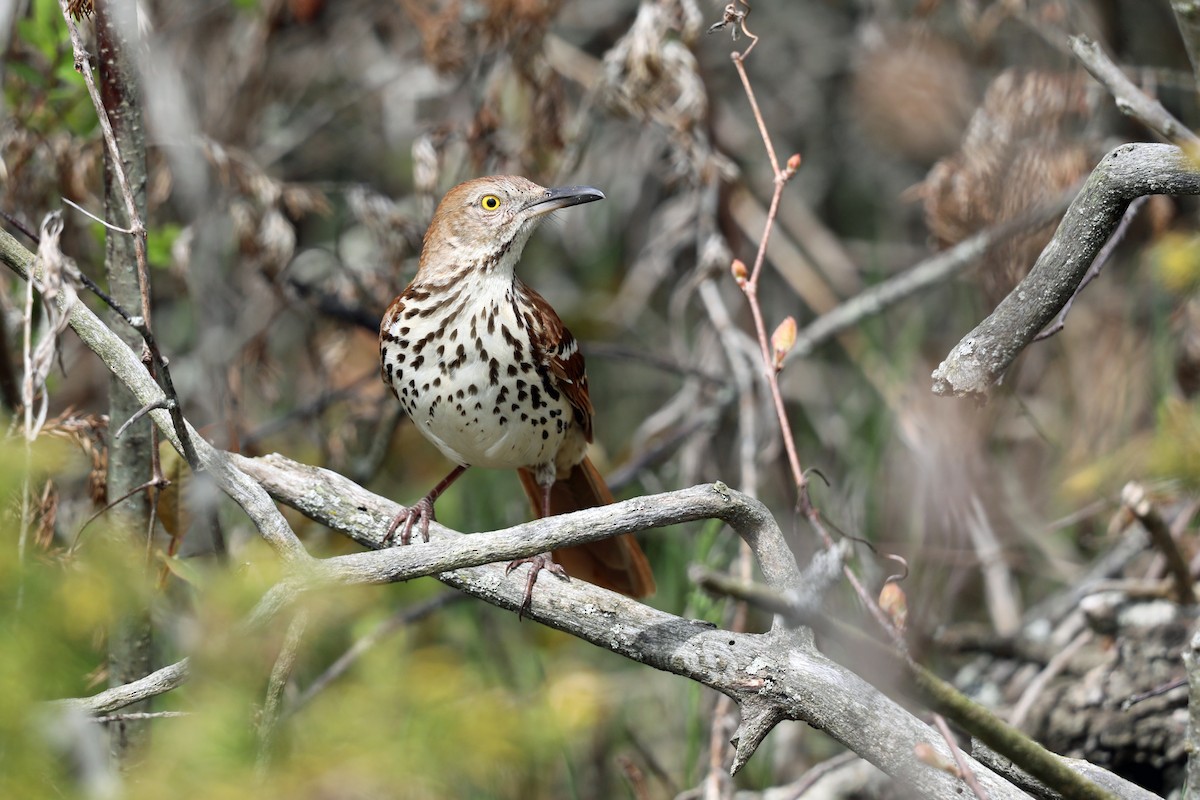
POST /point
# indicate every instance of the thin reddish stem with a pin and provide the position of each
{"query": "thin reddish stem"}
(750, 287)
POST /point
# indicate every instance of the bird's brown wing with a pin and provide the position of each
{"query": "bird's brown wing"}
(557, 349)
(617, 563)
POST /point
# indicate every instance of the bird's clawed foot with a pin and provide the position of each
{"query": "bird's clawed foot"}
(419, 512)
(542, 561)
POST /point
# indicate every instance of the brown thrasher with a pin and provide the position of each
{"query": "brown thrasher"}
(490, 375)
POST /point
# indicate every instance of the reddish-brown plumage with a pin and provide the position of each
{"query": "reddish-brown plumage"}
(489, 373)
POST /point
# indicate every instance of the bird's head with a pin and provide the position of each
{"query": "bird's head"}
(487, 221)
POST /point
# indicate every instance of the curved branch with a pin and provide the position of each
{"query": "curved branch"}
(978, 361)
(152, 685)
(772, 676)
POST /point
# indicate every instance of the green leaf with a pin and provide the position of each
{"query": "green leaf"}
(159, 244)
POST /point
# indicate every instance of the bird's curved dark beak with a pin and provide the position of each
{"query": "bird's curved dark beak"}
(563, 197)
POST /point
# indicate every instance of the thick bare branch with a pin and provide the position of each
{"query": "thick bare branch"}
(978, 361)
(772, 676)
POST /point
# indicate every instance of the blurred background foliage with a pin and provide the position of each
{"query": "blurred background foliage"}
(297, 150)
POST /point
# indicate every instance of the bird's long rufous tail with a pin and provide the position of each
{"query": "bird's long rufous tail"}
(618, 563)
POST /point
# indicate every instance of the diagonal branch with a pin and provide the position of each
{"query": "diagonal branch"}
(1131, 100)
(128, 368)
(1187, 15)
(979, 361)
(772, 676)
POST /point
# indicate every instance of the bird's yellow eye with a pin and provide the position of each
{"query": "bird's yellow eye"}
(490, 202)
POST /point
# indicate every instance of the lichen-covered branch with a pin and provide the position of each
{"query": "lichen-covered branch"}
(978, 361)
(772, 676)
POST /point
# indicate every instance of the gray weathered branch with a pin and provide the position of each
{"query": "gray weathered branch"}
(1131, 100)
(773, 676)
(978, 361)
(1187, 16)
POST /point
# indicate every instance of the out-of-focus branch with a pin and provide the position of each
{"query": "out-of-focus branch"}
(1191, 662)
(1134, 497)
(128, 368)
(1187, 16)
(1131, 100)
(156, 683)
(930, 272)
(1131, 170)
(281, 673)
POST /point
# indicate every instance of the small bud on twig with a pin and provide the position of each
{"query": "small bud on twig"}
(740, 273)
(793, 164)
(926, 754)
(782, 341)
(894, 603)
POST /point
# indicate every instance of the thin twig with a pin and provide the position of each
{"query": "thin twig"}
(20, 226)
(280, 674)
(87, 213)
(162, 402)
(83, 65)
(750, 285)
(401, 619)
(810, 778)
(1097, 265)
(931, 272)
(1157, 691)
(1134, 497)
(138, 230)
(964, 769)
(153, 483)
(141, 715)
(1131, 100)
(772, 363)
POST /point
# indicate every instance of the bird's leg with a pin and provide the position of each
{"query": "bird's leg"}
(420, 511)
(542, 560)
